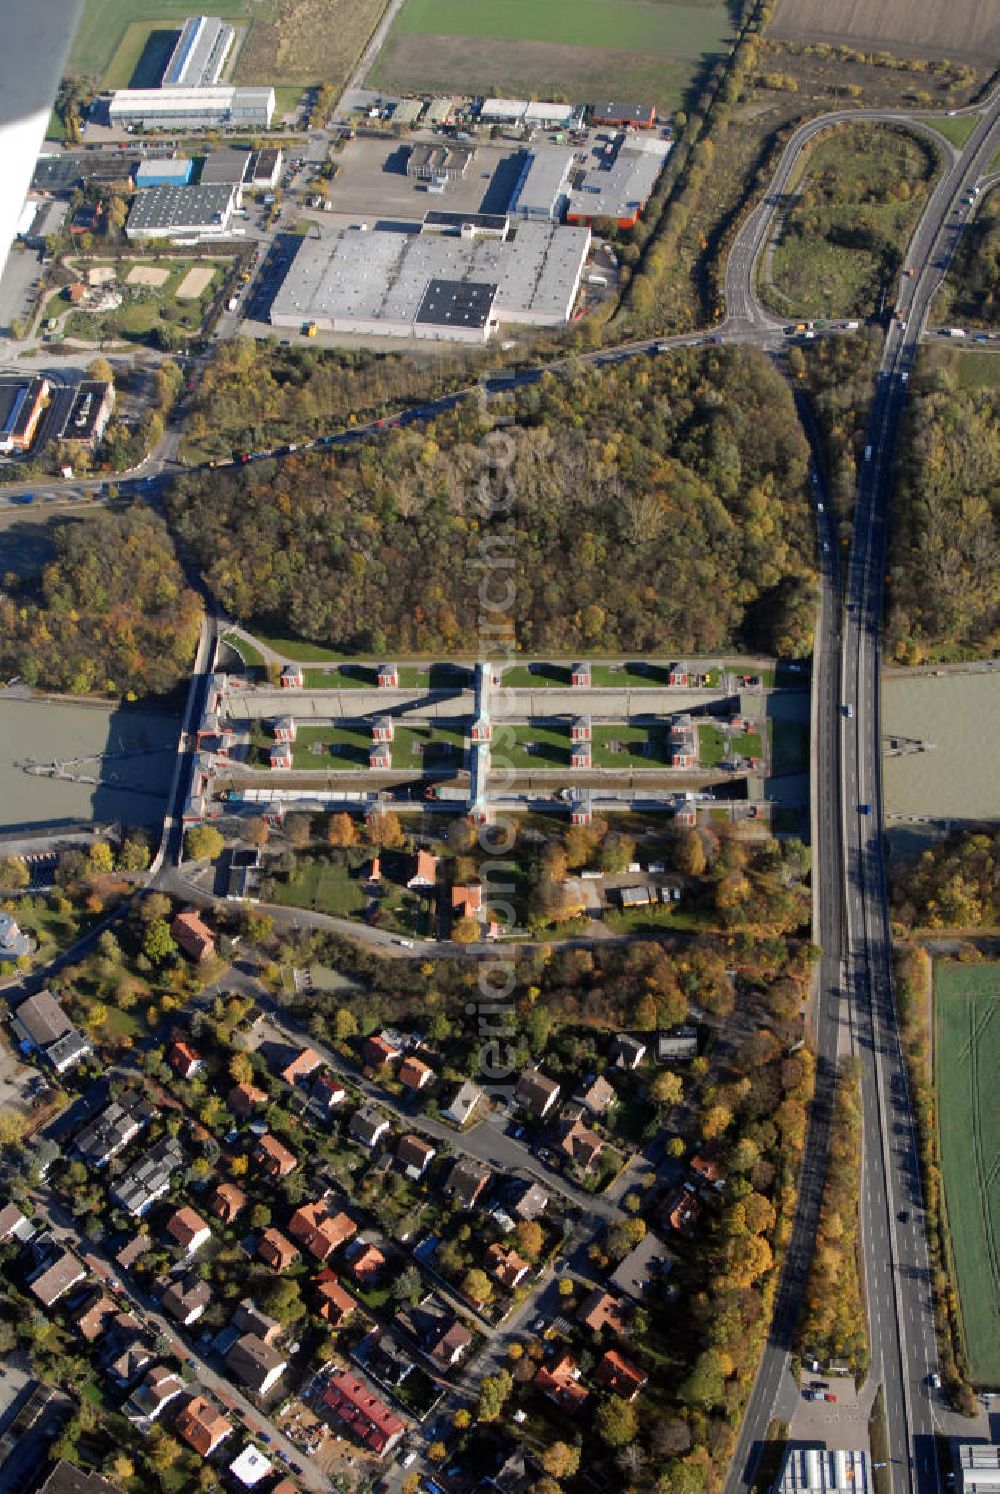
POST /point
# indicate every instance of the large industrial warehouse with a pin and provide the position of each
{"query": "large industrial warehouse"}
(192, 108)
(433, 285)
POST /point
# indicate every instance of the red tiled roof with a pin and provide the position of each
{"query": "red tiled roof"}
(366, 1416)
(320, 1230)
(619, 1375)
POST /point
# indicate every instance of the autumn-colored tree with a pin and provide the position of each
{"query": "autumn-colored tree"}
(257, 833)
(241, 1068)
(494, 1391)
(528, 1238)
(465, 930)
(615, 1422)
(667, 1088)
(749, 1258)
(203, 843)
(561, 1459)
(341, 830)
(477, 1285)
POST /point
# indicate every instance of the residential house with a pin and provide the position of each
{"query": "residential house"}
(581, 810)
(134, 1248)
(560, 1381)
(388, 677)
(707, 1169)
(42, 1026)
(184, 1061)
(415, 1156)
(248, 1318)
(599, 1310)
(14, 1225)
(507, 1266)
(362, 1413)
(374, 873)
(276, 1250)
(380, 755)
(292, 677)
(67, 1478)
(466, 1181)
(580, 729)
(186, 1299)
(328, 1093)
(250, 1468)
(627, 1052)
(368, 1125)
(129, 1352)
(320, 1228)
(641, 1267)
(383, 729)
(414, 1073)
(379, 1051)
(581, 1145)
(95, 1315)
(152, 1396)
(463, 1103)
(365, 1262)
(112, 1129)
(580, 755)
(301, 1066)
(619, 1375)
(285, 729)
(280, 756)
(13, 942)
(531, 1202)
(680, 1043)
(677, 676)
(596, 1094)
(633, 897)
(481, 730)
(682, 1210)
(682, 742)
(202, 1426)
(227, 1202)
(535, 1093)
(425, 874)
(255, 1364)
(274, 1159)
(244, 1099)
(188, 1230)
(193, 935)
(580, 676)
(56, 1279)
(448, 1348)
(467, 900)
(335, 1305)
(384, 1358)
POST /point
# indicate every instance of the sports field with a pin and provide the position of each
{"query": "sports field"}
(967, 1062)
(574, 49)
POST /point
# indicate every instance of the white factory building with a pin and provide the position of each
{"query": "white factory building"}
(531, 113)
(542, 191)
(440, 286)
(192, 108)
(199, 54)
(811, 1470)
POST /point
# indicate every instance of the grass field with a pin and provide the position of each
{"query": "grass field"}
(288, 42)
(956, 130)
(146, 307)
(965, 30)
(967, 1062)
(326, 886)
(566, 48)
(859, 196)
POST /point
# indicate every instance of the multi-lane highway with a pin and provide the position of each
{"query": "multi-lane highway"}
(854, 998)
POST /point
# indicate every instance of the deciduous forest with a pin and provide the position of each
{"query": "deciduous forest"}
(944, 595)
(109, 615)
(955, 884)
(971, 291)
(661, 504)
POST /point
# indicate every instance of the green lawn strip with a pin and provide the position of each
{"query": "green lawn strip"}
(956, 130)
(640, 746)
(789, 746)
(552, 744)
(967, 1061)
(246, 651)
(347, 677)
(324, 886)
(672, 30)
(979, 369)
(534, 676)
(655, 916)
(635, 676)
(298, 649)
(711, 745)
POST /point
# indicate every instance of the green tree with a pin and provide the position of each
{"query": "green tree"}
(494, 1391)
(158, 944)
(476, 1285)
(203, 843)
(615, 1422)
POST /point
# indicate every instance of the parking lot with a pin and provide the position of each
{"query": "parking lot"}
(17, 297)
(842, 1423)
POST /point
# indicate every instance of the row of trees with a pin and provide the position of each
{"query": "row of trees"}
(657, 505)
(971, 291)
(945, 534)
(110, 614)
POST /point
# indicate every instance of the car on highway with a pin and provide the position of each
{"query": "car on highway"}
(864, 809)
(829, 1396)
(903, 1216)
(848, 710)
(934, 1381)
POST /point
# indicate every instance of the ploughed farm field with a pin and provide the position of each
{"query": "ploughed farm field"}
(963, 31)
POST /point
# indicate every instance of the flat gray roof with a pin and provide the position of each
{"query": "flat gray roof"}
(179, 207)
(545, 180)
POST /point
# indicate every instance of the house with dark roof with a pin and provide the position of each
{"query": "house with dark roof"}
(129, 1352)
(680, 1043)
(112, 1129)
(466, 1181)
(67, 1478)
(627, 1052)
(41, 1025)
(535, 1093)
(255, 1364)
(362, 1413)
(153, 1395)
(244, 1099)
(248, 1318)
(60, 1276)
(186, 1299)
(414, 1156)
(327, 1094)
(368, 1125)
(648, 1260)
(447, 1349)
(276, 1250)
(149, 1176)
(529, 1200)
(620, 1375)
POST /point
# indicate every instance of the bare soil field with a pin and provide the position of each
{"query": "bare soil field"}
(964, 31)
(101, 275)
(197, 279)
(298, 41)
(420, 63)
(146, 275)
